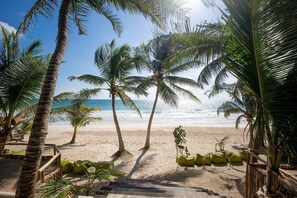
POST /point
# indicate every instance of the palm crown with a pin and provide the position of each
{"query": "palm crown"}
(21, 74)
(115, 65)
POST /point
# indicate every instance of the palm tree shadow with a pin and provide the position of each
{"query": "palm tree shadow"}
(68, 145)
(120, 154)
(178, 175)
(137, 164)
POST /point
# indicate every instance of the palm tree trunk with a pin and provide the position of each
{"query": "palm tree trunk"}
(4, 133)
(27, 181)
(117, 125)
(3, 139)
(149, 126)
(74, 136)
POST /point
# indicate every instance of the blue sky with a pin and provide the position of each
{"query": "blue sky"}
(80, 50)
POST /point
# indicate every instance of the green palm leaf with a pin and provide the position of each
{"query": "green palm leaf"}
(57, 189)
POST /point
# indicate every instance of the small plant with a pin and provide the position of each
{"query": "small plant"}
(221, 144)
(180, 138)
(65, 188)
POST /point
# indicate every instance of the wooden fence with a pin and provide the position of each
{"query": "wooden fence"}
(285, 182)
(51, 169)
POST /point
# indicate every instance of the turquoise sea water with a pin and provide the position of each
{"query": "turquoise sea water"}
(187, 113)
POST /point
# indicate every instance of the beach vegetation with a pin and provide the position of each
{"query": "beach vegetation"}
(115, 64)
(221, 143)
(158, 58)
(242, 103)
(66, 188)
(260, 52)
(79, 114)
(179, 138)
(155, 10)
(21, 75)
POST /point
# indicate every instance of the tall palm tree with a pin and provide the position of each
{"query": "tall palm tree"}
(158, 59)
(241, 103)
(260, 52)
(115, 65)
(21, 74)
(79, 114)
(154, 10)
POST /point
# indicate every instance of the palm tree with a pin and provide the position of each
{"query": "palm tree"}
(260, 52)
(158, 59)
(241, 103)
(79, 114)
(155, 10)
(115, 65)
(21, 74)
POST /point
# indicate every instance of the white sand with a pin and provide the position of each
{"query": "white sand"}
(97, 143)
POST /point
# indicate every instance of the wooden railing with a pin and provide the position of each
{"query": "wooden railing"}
(285, 183)
(52, 168)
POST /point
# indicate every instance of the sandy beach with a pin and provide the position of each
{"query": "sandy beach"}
(97, 143)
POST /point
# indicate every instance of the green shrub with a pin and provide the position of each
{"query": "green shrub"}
(244, 155)
(78, 168)
(235, 158)
(182, 161)
(218, 158)
(67, 165)
(103, 165)
(199, 160)
(207, 159)
(21, 152)
(232, 157)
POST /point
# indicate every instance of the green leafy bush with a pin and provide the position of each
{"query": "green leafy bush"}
(67, 165)
(244, 155)
(207, 159)
(218, 158)
(183, 161)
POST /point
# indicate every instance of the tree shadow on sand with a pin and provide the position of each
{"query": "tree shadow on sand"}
(139, 164)
(69, 146)
(231, 183)
(181, 174)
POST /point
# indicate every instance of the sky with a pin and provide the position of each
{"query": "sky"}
(80, 51)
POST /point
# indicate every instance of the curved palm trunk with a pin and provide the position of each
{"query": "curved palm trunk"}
(3, 140)
(4, 134)
(27, 180)
(149, 126)
(74, 136)
(117, 125)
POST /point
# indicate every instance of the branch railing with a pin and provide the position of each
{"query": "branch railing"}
(51, 169)
(285, 183)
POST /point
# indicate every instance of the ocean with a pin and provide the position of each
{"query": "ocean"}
(187, 113)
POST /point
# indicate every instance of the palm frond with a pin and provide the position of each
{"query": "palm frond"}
(128, 102)
(42, 7)
(156, 11)
(33, 49)
(88, 93)
(59, 188)
(24, 80)
(88, 78)
(64, 96)
(185, 92)
(79, 11)
(168, 95)
(238, 119)
(107, 12)
(229, 108)
(210, 70)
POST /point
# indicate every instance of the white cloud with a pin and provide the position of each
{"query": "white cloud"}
(7, 27)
